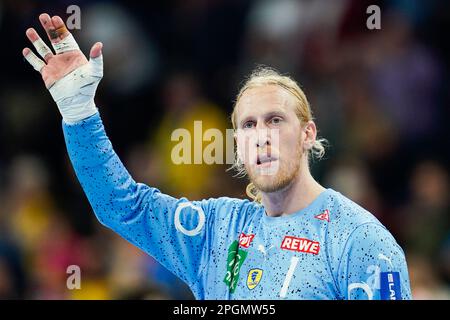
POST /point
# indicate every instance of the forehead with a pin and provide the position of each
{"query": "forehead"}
(261, 100)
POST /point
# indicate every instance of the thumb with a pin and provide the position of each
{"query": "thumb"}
(96, 59)
(96, 50)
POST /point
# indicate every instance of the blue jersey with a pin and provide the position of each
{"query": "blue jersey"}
(226, 248)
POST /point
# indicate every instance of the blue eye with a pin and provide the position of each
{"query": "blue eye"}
(248, 125)
(275, 120)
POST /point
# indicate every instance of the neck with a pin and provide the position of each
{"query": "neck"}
(302, 191)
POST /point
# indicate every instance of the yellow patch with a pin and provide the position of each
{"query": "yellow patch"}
(253, 278)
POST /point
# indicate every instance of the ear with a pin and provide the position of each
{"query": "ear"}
(309, 135)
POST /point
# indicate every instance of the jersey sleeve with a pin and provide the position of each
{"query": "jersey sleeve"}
(373, 266)
(176, 232)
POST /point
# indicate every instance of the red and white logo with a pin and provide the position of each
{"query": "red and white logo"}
(245, 240)
(300, 245)
(324, 215)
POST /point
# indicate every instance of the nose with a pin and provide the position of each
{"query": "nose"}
(263, 142)
(263, 135)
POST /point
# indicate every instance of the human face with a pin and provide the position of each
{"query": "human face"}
(269, 137)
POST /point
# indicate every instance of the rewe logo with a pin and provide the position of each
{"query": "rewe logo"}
(245, 240)
(300, 245)
(324, 216)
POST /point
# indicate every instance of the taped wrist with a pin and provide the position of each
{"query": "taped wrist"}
(74, 93)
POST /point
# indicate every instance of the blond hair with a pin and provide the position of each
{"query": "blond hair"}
(263, 76)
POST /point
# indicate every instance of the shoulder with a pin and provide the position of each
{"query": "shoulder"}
(226, 217)
(350, 225)
(346, 215)
(228, 208)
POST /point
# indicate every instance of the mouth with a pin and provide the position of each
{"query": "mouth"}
(265, 160)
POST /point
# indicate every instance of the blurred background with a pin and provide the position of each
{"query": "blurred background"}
(381, 98)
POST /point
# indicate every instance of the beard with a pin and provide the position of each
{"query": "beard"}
(279, 179)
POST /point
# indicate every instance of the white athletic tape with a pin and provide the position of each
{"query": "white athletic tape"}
(66, 44)
(74, 93)
(42, 48)
(35, 62)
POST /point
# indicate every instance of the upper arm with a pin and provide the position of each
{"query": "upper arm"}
(177, 232)
(373, 266)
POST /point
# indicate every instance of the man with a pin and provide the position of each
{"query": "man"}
(296, 240)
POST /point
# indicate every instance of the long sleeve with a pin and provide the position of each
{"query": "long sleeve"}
(176, 232)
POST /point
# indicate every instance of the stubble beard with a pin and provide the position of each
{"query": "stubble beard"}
(286, 173)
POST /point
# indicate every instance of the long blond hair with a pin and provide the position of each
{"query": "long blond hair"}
(263, 76)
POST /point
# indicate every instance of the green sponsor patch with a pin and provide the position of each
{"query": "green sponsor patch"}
(235, 259)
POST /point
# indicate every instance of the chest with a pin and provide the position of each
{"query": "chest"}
(288, 262)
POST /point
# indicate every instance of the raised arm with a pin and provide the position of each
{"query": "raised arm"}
(177, 232)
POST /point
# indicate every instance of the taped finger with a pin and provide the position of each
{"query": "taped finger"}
(97, 66)
(60, 28)
(42, 49)
(35, 62)
(66, 44)
(57, 33)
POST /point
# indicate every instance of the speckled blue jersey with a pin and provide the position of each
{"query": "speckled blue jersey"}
(228, 248)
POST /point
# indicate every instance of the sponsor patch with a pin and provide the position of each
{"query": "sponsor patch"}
(245, 240)
(236, 258)
(390, 288)
(300, 245)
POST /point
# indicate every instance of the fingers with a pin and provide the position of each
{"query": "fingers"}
(96, 50)
(61, 39)
(60, 27)
(49, 28)
(43, 50)
(32, 35)
(35, 62)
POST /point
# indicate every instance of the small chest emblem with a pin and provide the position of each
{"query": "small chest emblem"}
(253, 278)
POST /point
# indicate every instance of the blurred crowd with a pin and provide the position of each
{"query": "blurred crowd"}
(380, 97)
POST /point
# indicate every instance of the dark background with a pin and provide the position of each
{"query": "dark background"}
(380, 97)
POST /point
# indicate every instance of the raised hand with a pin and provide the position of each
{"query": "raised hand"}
(71, 79)
(63, 62)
